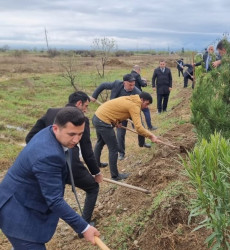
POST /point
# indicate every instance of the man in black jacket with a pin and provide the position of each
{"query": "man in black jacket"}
(188, 74)
(180, 64)
(162, 83)
(139, 82)
(82, 178)
(118, 89)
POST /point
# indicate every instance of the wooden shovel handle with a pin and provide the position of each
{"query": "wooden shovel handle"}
(161, 142)
(129, 129)
(100, 243)
(127, 185)
(96, 100)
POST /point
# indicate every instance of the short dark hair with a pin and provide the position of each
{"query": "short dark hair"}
(146, 97)
(69, 114)
(222, 44)
(78, 96)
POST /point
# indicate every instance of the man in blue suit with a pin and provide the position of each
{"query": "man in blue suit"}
(31, 193)
(87, 179)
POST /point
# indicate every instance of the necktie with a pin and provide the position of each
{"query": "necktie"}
(162, 69)
(207, 62)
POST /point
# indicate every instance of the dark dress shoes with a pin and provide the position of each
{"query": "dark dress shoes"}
(146, 145)
(120, 177)
(103, 165)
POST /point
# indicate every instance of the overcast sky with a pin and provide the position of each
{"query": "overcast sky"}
(137, 24)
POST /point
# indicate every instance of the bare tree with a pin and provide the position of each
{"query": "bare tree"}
(70, 70)
(103, 48)
(4, 48)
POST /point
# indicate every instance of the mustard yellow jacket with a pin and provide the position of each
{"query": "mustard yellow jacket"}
(122, 108)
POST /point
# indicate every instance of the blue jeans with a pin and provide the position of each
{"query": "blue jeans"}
(25, 245)
(147, 117)
(106, 136)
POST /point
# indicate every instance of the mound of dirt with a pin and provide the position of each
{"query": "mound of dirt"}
(116, 62)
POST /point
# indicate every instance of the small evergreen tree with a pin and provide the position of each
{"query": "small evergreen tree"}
(208, 170)
(211, 100)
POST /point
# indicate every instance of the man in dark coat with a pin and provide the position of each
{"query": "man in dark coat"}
(139, 82)
(32, 191)
(118, 89)
(188, 74)
(82, 178)
(162, 83)
(180, 64)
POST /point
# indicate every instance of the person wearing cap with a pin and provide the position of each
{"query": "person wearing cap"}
(180, 64)
(109, 115)
(121, 88)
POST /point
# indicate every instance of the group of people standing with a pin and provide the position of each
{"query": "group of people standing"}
(32, 191)
(209, 61)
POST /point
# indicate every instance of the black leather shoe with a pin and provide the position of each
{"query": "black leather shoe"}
(121, 157)
(152, 128)
(103, 165)
(146, 145)
(120, 177)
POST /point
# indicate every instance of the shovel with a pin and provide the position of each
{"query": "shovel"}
(181, 148)
(100, 243)
(127, 185)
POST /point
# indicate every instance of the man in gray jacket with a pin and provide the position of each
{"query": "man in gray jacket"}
(118, 89)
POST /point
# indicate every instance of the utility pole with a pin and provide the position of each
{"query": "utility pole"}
(47, 44)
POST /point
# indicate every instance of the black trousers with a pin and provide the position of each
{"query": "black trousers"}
(85, 181)
(162, 102)
(186, 78)
(180, 72)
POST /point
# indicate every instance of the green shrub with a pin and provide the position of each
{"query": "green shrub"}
(208, 169)
(211, 101)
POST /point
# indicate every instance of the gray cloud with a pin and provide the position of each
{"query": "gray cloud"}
(133, 24)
